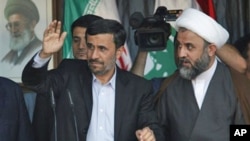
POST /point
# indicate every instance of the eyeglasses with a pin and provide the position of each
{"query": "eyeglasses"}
(16, 25)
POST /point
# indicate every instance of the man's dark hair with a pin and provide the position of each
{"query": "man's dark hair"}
(109, 26)
(242, 45)
(84, 21)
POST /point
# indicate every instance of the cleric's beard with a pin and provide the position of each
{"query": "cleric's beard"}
(200, 66)
(20, 42)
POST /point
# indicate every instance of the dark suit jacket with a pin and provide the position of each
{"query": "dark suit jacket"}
(184, 121)
(133, 101)
(43, 118)
(14, 120)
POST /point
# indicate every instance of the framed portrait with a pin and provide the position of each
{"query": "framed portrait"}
(22, 23)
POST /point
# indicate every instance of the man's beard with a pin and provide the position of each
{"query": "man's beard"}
(199, 66)
(20, 42)
(104, 69)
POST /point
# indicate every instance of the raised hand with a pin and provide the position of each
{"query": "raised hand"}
(53, 39)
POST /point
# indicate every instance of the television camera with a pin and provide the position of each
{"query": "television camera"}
(152, 32)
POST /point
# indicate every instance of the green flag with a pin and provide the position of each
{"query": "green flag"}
(72, 10)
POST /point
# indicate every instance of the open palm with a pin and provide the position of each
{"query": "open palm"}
(53, 38)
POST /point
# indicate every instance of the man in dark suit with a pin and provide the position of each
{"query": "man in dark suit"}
(199, 102)
(105, 102)
(14, 119)
(43, 114)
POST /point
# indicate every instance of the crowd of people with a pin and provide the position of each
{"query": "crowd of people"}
(90, 98)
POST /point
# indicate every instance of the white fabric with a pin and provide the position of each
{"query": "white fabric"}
(39, 62)
(176, 4)
(203, 25)
(201, 83)
(102, 122)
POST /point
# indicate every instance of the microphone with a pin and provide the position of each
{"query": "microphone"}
(74, 115)
(53, 105)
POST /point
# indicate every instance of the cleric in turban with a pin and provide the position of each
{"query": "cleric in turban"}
(22, 17)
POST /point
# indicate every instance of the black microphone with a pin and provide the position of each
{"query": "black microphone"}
(53, 105)
(73, 112)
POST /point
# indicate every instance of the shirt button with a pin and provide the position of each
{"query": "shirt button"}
(101, 110)
(100, 127)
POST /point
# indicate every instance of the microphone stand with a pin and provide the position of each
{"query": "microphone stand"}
(74, 115)
(53, 105)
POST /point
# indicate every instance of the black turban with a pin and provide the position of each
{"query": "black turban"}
(24, 7)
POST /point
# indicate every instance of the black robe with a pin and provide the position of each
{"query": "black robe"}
(184, 121)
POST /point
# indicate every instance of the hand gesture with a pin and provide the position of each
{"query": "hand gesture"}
(145, 134)
(52, 39)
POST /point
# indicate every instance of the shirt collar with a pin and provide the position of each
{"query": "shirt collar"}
(110, 82)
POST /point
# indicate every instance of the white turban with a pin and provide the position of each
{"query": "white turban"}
(203, 25)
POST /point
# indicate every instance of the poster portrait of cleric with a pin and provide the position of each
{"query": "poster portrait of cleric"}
(19, 42)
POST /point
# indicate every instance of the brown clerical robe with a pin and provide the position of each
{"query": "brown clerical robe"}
(242, 87)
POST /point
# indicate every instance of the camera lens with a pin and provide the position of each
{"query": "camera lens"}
(154, 39)
(151, 38)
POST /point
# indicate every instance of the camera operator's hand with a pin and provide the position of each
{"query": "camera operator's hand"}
(139, 63)
(52, 39)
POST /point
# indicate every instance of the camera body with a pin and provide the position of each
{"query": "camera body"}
(152, 32)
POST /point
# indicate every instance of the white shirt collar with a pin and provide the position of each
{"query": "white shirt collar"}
(111, 81)
(201, 83)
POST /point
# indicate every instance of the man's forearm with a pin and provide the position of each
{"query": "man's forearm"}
(230, 56)
(139, 63)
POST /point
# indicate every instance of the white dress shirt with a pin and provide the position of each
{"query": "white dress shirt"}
(102, 120)
(39, 62)
(201, 83)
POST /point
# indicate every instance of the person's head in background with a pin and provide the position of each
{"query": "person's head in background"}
(243, 46)
(197, 40)
(22, 17)
(78, 29)
(105, 40)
